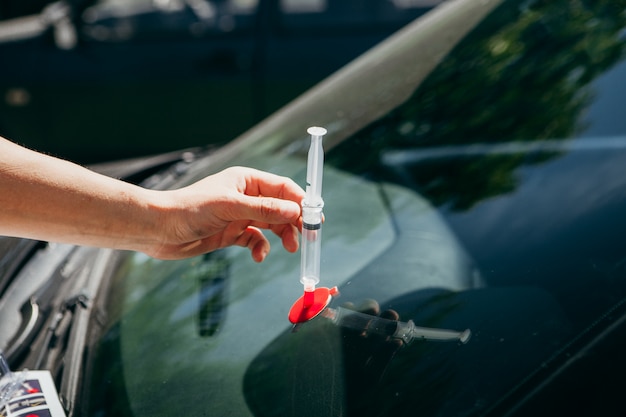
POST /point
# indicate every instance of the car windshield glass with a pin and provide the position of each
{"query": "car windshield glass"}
(488, 198)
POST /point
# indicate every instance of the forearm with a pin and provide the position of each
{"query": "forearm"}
(51, 199)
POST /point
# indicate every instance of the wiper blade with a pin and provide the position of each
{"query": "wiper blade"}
(57, 330)
(91, 278)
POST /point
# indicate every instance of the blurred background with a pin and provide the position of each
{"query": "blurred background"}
(97, 80)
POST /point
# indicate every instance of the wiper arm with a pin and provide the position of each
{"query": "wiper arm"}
(35, 312)
(33, 317)
(57, 331)
(31, 314)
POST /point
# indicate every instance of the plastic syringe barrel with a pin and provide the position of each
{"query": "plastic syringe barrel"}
(407, 331)
(312, 206)
(311, 247)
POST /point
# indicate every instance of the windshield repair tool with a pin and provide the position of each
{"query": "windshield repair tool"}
(406, 331)
(314, 299)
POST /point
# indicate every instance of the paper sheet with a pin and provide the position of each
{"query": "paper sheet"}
(37, 397)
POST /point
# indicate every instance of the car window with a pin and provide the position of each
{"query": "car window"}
(486, 195)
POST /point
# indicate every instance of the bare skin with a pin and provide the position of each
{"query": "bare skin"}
(50, 199)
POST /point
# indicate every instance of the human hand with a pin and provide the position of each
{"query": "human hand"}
(229, 208)
(370, 350)
(367, 355)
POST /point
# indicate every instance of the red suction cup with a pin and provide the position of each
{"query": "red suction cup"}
(311, 304)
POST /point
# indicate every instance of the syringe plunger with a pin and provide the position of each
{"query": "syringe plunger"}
(315, 167)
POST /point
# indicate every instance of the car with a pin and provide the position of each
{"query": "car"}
(95, 80)
(473, 188)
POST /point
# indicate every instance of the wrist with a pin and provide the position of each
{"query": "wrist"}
(151, 221)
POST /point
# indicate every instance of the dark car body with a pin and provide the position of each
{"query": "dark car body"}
(102, 80)
(473, 180)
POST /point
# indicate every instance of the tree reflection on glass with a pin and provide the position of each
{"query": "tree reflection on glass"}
(523, 75)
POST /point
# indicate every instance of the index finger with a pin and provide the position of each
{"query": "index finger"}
(266, 184)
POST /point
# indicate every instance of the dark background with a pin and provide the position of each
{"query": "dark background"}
(103, 80)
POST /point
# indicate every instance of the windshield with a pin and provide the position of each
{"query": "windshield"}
(488, 196)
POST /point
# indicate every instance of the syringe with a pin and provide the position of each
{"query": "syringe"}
(312, 206)
(407, 331)
(314, 300)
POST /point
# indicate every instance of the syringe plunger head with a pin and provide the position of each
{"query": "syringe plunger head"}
(316, 131)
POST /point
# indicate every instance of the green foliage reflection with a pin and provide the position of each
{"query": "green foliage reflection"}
(523, 75)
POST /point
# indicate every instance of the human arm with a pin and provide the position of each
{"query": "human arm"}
(46, 198)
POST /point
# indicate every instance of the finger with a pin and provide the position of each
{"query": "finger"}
(248, 237)
(369, 306)
(265, 210)
(261, 183)
(390, 315)
(348, 305)
(260, 250)
(274, 191)
(253, 239)
(251, 236)
(288, 234)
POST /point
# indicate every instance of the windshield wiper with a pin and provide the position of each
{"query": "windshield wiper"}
(56, 319)
(31, 314)
(82, 309)
(35, 312)
(57, 331)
